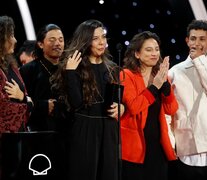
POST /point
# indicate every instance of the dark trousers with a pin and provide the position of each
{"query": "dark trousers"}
(179, 170)
(131, 171)
(93, 149)
(134, 171)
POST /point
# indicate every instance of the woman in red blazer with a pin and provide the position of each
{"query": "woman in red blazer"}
(146, 146)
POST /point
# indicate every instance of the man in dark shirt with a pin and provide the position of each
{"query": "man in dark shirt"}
(36, 75)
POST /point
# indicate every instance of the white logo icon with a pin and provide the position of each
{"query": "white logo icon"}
(34, 164)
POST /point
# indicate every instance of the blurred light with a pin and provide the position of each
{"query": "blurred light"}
(139, 30)
(126, 43)
(173, 41)
(152, 26)
(93, 11)
(169, 12)
(123, 33)
(116, 16)
(101, 1)
(177, 57)
(27, 19)
(134, 3)
(157, 11)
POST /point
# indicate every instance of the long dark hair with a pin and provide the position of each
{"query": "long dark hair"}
(7, 27)
(135, 45)
(81, 40)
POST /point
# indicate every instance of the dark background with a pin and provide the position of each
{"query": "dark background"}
(169, 18)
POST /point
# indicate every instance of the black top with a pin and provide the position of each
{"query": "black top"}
(155, 161)
(74, 88)
(36, 76)
(94, 135)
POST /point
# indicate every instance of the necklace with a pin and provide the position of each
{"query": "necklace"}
(46, 68)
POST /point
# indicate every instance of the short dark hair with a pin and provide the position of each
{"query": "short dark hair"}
(197, 24)
(28, 47)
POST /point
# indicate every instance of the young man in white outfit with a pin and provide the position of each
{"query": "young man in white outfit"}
(189, 80)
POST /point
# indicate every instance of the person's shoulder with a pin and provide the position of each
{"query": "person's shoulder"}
(130, 73)
(30, 66)
(127, 71)
(111, 63)
(179, 66)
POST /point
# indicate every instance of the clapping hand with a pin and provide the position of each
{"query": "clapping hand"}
(161, 75)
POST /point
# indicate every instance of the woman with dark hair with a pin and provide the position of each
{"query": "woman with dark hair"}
(37, 73)
(13, 94)
(148, 96)
(85, 73)
(14, 101)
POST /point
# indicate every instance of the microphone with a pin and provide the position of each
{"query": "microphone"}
(119, 47)
(115, 89)
(120, 93)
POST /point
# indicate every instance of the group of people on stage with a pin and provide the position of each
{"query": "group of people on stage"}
(66, 89)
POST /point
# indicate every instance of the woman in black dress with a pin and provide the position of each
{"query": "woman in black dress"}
(85, 76)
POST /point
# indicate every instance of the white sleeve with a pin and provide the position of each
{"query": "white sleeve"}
(201, 67)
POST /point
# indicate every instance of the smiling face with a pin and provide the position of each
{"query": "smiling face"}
(53, 45)
(149, 53)
(99, 43)
(197, 42)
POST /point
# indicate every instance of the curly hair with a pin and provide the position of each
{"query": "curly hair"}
(7, 27)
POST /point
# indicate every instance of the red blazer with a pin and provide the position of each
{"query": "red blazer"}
(137, 99)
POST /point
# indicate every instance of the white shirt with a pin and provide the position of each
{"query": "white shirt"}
(195, 160)
(189, 80)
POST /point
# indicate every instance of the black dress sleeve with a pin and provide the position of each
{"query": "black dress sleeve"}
(165, 89)
(74, 89)
(153, 89)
